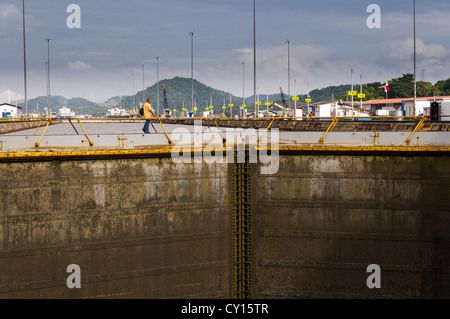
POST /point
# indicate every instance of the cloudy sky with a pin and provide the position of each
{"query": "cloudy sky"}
(329, 38)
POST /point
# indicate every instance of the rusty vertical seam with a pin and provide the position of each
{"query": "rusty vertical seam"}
(241, 255)
(234, 240)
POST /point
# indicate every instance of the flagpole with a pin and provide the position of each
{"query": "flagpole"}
(386, 90)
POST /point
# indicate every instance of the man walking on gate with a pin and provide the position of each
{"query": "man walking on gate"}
(148, 112)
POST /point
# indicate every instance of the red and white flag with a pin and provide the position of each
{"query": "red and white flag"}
(386, 87)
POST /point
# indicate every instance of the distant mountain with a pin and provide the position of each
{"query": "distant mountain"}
(179, 95)
(78, 105)
(115, 100)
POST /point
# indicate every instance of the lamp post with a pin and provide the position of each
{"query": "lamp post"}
(192, 68)
(48, 73)
(143, 83)
(132, 74)
(243, 90)
(289, 74)
(352, 91)
(415, 82)
(24, 60)
(157, 85)
(46, 80)
(254, 58)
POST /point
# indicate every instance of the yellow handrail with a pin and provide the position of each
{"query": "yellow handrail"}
(330, 128)
(268, 128)
(39, 141)
(85, 133)
(223, 138)
(37, 129)
(419, 125)
(170, 141)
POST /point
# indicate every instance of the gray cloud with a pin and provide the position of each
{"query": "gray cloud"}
(329, 37)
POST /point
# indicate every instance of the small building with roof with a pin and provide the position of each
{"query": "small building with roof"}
(9, 110)
(402, 106)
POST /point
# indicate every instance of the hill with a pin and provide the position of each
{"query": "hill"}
(179, 95)
(178, 91)
(79, 105)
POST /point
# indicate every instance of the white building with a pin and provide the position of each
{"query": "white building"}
(402, 106)
(9, 110)
(331, 109)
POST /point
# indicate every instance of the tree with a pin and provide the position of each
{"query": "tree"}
(443, 87)
(425, 89)
(402, 87)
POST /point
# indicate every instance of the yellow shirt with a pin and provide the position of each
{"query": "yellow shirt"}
(147, 110)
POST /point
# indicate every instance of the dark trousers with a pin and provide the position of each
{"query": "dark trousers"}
(146, 126)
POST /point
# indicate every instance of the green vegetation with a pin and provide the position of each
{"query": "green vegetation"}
(79, 105)
(402, 87)
(178, 92)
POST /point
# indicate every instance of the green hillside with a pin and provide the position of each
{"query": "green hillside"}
(79, 105)
(178, 92)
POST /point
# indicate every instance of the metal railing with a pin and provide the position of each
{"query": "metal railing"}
(420, 120)
(222, 118)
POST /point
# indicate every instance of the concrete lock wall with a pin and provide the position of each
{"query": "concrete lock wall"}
(142, 228)
(322, 220)
(150, 228)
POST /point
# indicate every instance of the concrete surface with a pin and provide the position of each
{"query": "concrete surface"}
(150, 228)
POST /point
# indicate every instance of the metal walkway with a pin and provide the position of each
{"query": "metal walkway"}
(82, 137)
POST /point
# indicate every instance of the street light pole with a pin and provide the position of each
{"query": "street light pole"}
(415, 82)
(295, 103)
(46, 80)
(192, 68)
(24, 61)
(289, 74)
(133, 92)
(254, 59)
(352, 91)
(243, 90)
(143, 83)
(48, 72)
(157, 85)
